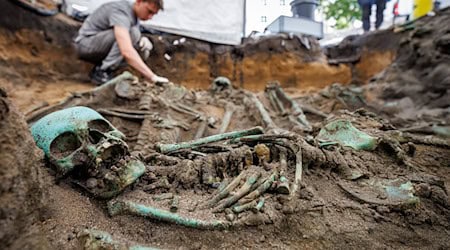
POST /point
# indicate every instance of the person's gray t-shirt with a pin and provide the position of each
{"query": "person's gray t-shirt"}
(107, 16)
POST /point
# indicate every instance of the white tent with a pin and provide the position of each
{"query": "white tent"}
(217, 21)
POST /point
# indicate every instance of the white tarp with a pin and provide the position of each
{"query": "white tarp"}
(217, 21)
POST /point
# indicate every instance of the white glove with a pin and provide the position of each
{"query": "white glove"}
(159, 79)
(145, 46)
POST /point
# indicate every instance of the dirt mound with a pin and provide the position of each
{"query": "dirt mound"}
(416, 85)
(412, 90)
(23, 179)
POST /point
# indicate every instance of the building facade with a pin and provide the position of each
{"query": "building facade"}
(260, 13)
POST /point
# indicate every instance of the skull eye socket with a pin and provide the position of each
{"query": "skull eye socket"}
(99, 125)
(95, 136)
(64, 145)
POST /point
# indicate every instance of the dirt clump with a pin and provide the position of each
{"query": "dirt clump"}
(417, 84)
(410, 88)
(24, 181)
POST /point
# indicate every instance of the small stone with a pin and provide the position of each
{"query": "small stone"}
(91, 183)
(230, 217)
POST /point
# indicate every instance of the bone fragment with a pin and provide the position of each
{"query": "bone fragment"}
(146, 100)
(174, 204)
(241, 208)
(164, 196)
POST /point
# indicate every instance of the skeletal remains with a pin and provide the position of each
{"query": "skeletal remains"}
(232, 177)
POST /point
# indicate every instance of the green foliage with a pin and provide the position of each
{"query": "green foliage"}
(343, 11)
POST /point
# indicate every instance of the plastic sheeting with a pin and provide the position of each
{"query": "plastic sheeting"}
(217, 21)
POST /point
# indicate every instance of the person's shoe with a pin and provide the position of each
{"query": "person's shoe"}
(99, 76)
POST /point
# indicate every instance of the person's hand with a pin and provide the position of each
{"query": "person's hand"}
(145, 46)
(159, 79)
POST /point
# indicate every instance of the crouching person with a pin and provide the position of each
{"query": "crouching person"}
(110, 36)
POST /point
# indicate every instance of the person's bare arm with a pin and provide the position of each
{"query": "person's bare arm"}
(130, 54)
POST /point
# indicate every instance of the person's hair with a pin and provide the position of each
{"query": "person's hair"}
(158, 3)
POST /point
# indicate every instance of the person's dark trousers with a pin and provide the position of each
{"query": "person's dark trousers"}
(103, 50)
(366, 11)
(381, 5)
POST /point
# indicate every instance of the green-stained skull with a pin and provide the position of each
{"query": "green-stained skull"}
(80, 143)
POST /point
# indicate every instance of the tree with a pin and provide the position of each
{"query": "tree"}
(342, 11)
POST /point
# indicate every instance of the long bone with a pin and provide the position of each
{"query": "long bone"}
(167, 148)
(116, 207)
(225, 191)
(283, 186)
(185, 110)
(267, 183)
(201, 128)
(229, 110)
(267, 120)
(298, 112)
(245, 189)
(126, 114)
(274, 100)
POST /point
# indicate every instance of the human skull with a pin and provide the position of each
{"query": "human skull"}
(80, 142)
(220, 83)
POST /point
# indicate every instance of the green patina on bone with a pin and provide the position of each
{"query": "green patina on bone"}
(344, 133)
(167, 148)
(79, 136)
(129, 207)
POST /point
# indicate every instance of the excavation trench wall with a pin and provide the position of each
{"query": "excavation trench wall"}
(37, 56)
